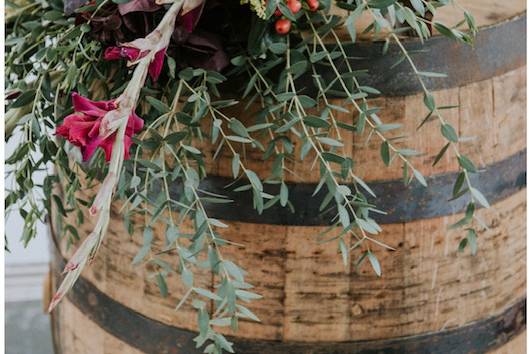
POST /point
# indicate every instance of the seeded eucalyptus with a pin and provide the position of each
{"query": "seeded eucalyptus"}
(290, 60)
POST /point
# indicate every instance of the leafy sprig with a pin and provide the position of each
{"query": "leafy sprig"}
(49, 56)
(462, 184)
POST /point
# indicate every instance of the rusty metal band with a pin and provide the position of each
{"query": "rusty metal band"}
(497, 49)
(153, 337)
(401, 203)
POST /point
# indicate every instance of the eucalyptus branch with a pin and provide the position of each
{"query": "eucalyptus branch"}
(339, 77)
(258, 90)
(78, 44)
(428, 95)
(318, 148)
(253, 179)
(232, 278)
(201, 208)
(448, 132)
(191, 205)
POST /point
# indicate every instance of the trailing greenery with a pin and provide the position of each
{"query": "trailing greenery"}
(49, 56)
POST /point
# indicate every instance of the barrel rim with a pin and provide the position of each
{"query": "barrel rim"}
(513, 17)
(496, 50)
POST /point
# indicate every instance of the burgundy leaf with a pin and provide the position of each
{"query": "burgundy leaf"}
(138, 5)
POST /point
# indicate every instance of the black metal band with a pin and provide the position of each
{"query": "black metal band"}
(151, 336)
(401, 203)
(497, 49)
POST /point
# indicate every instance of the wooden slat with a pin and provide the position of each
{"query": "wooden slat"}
(409, 112)
(517, 345)
(494, 103)
(485, 12)
(80, 335)
(428, 286)
(263, 256)
(479, 112)
(112, 272)
(316, 289)
(478, 121)
(509, 92)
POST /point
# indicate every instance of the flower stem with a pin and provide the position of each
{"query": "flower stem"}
(115, 122)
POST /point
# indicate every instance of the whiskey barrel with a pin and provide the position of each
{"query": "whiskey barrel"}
(430, 298)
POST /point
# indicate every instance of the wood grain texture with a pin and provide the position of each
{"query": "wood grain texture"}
(69, 341)
(134, 285)
(429, 286)
(518, 345)
(495, 103)
(309, 295)
(485, 12)
(79, 335)
(316, 289)
(265, 260)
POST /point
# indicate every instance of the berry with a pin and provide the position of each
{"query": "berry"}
(283, 26)
(313, 5)
(294, 5)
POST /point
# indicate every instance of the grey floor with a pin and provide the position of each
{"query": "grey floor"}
(27, 328)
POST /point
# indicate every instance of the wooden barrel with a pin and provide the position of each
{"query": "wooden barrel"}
(430, 298)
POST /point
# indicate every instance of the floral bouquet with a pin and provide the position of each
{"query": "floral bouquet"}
(124, 97)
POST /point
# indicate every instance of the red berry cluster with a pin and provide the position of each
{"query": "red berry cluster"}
(283, 25)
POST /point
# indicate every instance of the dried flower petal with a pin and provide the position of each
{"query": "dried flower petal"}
(104, 192)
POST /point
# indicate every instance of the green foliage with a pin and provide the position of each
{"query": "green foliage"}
(186, 111)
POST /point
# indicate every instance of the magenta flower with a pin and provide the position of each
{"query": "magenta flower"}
(82, 128)
(133, 54)
(190, 18)
(118, 53)
(155, 67)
